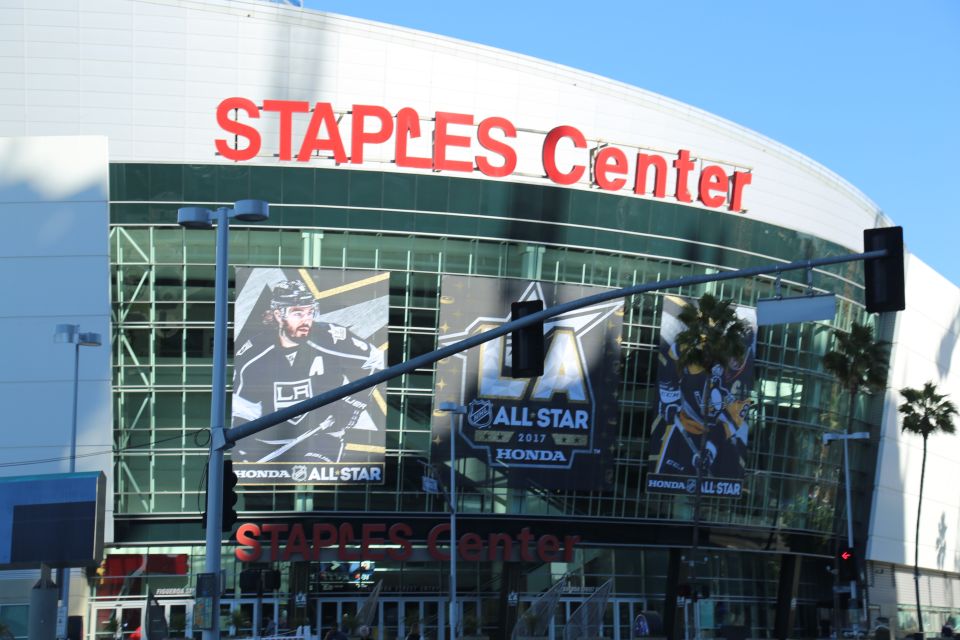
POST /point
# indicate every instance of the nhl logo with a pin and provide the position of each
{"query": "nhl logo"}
(299, 473)
(480, 413)
(691, 485)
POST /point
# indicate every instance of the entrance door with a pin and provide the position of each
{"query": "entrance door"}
(618, 617)
(399, 615)
(428, 613)
(179, 619)
(625, 613)
(116, 621)
(394, 617)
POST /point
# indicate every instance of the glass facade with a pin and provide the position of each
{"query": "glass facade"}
(419, 227)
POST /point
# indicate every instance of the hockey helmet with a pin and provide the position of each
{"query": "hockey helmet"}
(290, 293)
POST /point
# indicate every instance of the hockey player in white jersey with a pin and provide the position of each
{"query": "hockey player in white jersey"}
(292, 359)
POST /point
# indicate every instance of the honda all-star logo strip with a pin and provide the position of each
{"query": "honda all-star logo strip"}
(317, 473)
(553, 430)
(462, 142)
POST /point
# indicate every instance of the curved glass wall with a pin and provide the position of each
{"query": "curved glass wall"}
(419, 228)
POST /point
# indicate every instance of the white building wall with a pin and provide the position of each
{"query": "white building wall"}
(150, 74)
(925, 349)
(55, 268)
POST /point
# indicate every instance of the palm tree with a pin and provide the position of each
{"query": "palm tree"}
(714, 336)
(925, 412)
(859, 363)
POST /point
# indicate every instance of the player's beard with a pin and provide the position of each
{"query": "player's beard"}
(299, 334)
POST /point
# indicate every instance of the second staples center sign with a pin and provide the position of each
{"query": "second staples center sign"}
(552, 431)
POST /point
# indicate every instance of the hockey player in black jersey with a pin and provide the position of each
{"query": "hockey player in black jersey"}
(295, 357)
(681, 422)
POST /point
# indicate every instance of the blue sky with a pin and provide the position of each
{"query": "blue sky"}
(868, 89)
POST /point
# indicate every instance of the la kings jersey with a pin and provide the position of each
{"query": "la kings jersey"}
(269, 377)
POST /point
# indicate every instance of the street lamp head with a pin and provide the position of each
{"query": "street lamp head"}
(70, 333)
(452, 407)
(194, 218)
(251, 210)
(66, 333)
(89, 339)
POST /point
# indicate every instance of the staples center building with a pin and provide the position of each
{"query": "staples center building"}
(425, 164)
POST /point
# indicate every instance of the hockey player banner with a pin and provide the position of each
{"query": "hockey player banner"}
(680, 432)
(552, 431)
(298, 333)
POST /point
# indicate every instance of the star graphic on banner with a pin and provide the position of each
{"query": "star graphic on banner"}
(441, 384)
(580, 321)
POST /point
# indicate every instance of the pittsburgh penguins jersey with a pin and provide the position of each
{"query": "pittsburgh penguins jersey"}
(268, 377)
(681, 422)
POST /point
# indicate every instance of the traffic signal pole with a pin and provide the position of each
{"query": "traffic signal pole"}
(846, 438)
(218, 395)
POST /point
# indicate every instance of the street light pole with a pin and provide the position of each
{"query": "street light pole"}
(846, 437)
(455, 410)
(200, 218)
(70, 333)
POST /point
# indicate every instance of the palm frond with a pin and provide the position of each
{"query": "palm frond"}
(859, 362)
(926, 412)
(714, 333)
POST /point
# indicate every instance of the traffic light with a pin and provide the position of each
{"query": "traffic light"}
(228, 499)
(883, 277)
(527, 353)
(250, 582)
(271, 580)
(229, 496)
(847, 564)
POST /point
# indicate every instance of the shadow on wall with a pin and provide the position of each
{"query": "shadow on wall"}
(956, 551)
(948, 345)
(941, 540)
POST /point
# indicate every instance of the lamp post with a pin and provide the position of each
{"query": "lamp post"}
(846, 437)
(454, 409)
(201, 218)
(71, 334)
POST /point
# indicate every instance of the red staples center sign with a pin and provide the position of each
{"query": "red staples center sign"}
(566, 157)
(377, 541)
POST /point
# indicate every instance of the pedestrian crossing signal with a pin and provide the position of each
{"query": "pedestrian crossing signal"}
(847, 564)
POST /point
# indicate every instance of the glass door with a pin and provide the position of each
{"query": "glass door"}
(626, 625)
(118, 621)
(389, 621)
(337, 613)
(432, 617)
(179, 619)
(395, 617)
(244, 617)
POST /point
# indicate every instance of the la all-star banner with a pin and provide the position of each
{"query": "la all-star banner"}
(554, 431)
